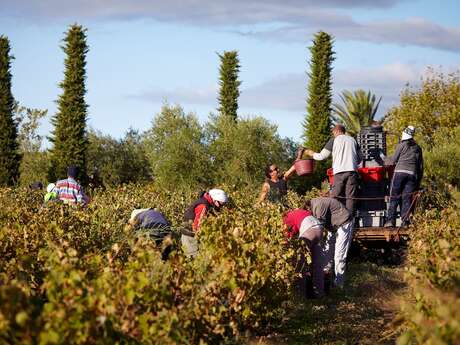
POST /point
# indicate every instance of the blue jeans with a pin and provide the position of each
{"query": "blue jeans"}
(402, 186)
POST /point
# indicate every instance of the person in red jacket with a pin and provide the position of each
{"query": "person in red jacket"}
(309, 229)
(209, 202)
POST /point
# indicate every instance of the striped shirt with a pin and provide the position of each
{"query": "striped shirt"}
(70, 192)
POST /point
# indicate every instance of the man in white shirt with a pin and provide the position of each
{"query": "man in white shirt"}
(345, 160)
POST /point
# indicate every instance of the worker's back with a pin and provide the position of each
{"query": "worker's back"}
(345, 155)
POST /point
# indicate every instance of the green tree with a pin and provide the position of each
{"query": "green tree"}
(442, 161)
(34, 162)
(229, 84)
(318, 120)
(114, 162)
(175, 149)
(69, 135)
(432, 106)
(9, 147)
(358, 109)
(240, 151)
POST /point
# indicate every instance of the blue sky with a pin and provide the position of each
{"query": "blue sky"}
(143, 53)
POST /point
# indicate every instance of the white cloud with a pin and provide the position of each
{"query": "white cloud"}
(412, 31)
(193, 11)
(182, 95)
(298, 18)
(289, 92)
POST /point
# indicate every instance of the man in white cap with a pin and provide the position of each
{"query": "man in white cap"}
(194, 215)
(407, 176)
(153, 223)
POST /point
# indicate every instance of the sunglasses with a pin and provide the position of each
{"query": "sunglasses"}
(275, 169)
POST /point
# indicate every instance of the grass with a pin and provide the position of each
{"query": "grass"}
(361, 313)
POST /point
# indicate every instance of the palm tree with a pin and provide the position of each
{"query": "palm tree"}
(358, 109)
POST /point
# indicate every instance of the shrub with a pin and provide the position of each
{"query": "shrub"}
(80, 276)
(434, 278)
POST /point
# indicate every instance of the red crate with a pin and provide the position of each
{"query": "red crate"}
(330, 174)
(372, 174)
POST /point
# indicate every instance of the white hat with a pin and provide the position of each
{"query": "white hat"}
(136, 212)
(408, 133)
(50, 187)
(218, 195)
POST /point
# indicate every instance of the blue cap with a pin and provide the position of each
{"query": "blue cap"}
(72, 171)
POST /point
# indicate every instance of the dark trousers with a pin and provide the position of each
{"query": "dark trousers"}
(313, 237)
(345, 189)
(402, 186)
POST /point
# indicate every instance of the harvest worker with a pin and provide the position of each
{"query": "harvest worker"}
(69, 190)
(310, 229)
(338, 221)
(154, 224)
(345, 160)
(407, 176)
(208, 202)
(275, 185)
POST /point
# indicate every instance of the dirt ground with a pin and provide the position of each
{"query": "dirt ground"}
(362, 313)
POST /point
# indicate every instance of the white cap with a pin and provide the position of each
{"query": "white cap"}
(50, 187)
(218, 195)
(136, 212)
(408, 133)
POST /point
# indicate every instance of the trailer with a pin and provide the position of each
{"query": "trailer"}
(395, 234)
(374, 190)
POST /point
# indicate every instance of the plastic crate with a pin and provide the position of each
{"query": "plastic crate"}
(372, 196)
(372, 174)
(330, 175)
(371, 221)
(370, 139)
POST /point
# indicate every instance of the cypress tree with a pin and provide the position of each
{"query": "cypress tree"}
(9, 147)
(318, 120)
(69, 135)
(229, 85)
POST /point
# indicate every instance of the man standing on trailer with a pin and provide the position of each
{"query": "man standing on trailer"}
(407, 176)
(345, 160)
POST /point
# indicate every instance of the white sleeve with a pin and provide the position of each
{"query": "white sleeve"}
(322, 155)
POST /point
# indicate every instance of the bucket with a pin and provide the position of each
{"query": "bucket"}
(304, 166)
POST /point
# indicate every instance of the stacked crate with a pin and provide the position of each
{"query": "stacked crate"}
(372, 142)
(374, 180)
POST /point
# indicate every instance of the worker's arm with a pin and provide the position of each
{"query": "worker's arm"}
(263, 192)
(133, 222)
(321, 155)
(289, 173)
(325, 152)
(392, 160)
(286, 230)
(291, 170)
(200, 211)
